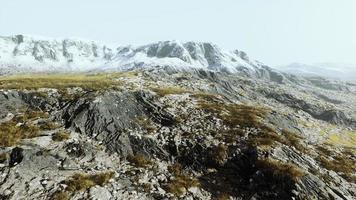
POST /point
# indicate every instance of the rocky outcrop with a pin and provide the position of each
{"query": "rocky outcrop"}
(325, 114)
(170, 134)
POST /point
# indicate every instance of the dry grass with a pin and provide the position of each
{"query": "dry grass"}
(139, 160)
(169, 90)
(11, 134)
(280, 170)
(60, 195)
(61, 136)
(207, 97)
(48, 125)
(13, 131)
(219, 154)
(223, 196)
(175, 169)
(235, 114)
(147, 124)
(61, 81)
(238, 116)
(340, 163)
(292, 139)
(180, 183)
(82, 182)
(3, 157)
(28, 115)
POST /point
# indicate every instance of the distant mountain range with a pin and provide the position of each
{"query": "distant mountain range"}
(28, 54)
(21, 53)
(329, 70)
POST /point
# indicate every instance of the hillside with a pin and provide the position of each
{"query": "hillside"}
(158, 133)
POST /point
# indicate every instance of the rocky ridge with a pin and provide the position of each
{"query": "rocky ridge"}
(162, 133)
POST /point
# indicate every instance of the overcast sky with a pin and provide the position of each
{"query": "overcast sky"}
(275, 32)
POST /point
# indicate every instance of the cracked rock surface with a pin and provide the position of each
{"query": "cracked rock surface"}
(166, 134)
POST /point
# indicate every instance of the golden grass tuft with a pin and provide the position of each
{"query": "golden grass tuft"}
(180, 183)
(89, 82)
(292, 139)
(238, 116)
(3, 157)
(280, 170)
(339, 163)
(223, 196)
(146, 124)
(61, 136)
(175, 169)
(11, 134)
(13, 131)
(60, 195)
(235, 114)
(30, 115)
(169, 90)
(219, 154)
(82, 182)
(48, 125)
(139, 160)
(207, 97)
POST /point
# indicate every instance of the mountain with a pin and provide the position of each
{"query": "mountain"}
(168, 120)
(329, 70)
(23, 54)
(26, 54)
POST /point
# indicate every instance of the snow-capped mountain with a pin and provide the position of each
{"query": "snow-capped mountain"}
(26, 54)
(329, 70)
(30, 54)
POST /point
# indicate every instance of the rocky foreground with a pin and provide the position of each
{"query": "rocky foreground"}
(163, 134)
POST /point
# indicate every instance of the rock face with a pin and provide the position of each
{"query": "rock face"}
(318, 112)
(105, 119)
(166, 134)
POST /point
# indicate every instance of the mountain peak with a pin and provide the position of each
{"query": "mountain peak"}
(22, 53)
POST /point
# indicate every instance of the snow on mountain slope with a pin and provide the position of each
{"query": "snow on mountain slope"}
(329, 70)
(25, 54)
(28, 54)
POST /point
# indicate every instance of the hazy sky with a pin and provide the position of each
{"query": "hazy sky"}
(272, 31)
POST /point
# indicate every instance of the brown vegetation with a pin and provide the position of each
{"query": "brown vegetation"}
(48, 125)
(3, 157)
(169, 90)
(339, 163)
(92, 82)
(60, 136)
(219, 154)
(60, 195)
(11, 133)
(180, 181)
(20, 127)
(139, 160)
(82, 182)
(279, 169)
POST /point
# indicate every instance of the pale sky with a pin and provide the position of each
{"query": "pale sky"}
(275, 32)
